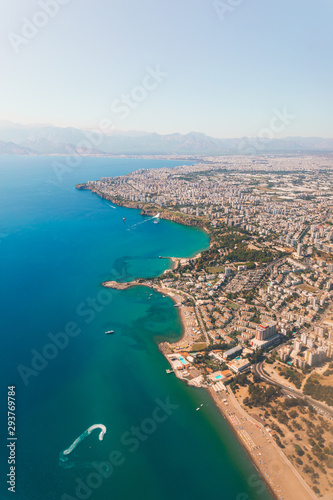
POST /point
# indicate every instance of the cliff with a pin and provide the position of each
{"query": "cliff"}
(150, 210)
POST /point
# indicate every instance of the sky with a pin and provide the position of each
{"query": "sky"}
(224, 68)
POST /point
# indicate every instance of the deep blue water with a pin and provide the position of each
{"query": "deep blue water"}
(57, 245)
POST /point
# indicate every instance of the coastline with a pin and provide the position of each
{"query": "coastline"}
(213, 396)
(149, 210)
(282, 481)
(274, 468)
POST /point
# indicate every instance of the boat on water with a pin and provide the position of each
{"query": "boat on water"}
(124, 219)
(169, 371)
(109, 332)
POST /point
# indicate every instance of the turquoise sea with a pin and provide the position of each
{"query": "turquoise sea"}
(57, 245)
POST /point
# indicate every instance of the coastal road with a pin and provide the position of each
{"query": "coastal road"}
(202, 326)
(287, 390)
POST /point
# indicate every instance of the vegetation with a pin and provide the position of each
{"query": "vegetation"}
(240, 379)
(320, 392)
(261, 396)
(243, 254)
(290, 374)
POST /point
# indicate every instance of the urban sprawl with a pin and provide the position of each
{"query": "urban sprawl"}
(257, 306)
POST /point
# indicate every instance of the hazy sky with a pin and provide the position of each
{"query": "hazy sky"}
(229, 64)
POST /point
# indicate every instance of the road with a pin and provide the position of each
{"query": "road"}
(318, 405)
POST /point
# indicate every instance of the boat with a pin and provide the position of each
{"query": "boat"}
(169, 371)
(124, 219)
(109, 332)
(156, 222)
(197, 409)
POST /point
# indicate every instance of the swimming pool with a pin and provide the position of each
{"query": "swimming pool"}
(218, 377)
(182, 360)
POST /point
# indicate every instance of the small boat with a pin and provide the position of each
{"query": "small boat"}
(110, 332)
(169, 371)
(124, 219)
(197, 409)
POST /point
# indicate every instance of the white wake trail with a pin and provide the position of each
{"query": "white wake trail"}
(64, 454)
(144, 221)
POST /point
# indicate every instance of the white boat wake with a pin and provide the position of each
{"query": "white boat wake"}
(156, 217)
(64, 454)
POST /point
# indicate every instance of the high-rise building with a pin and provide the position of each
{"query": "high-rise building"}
(304, 338)
(266, 330)
(314, 357)
(298, 345)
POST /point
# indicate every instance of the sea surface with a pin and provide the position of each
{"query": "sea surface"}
(57, 245)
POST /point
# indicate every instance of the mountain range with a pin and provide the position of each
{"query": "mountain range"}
(47, 139)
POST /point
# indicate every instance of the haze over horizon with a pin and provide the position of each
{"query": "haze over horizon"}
(219, 68)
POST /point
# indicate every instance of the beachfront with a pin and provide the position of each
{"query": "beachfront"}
(275, 469)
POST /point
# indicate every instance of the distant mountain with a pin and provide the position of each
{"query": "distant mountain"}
(10, 148)
(47, 139)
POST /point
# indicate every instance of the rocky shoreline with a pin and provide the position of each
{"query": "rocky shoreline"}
(119, 286)
(148, 210)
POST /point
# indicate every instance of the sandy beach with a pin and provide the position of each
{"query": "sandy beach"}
(275, 469)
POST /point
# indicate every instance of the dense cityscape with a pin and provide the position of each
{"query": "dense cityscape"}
(257, 305)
